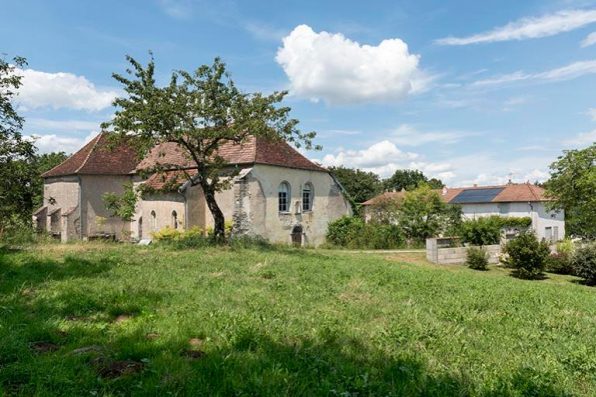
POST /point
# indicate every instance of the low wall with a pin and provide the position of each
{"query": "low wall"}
(448, 256)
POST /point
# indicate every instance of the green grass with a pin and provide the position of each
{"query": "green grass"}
(286, 322)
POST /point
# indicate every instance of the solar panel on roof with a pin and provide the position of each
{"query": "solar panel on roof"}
(477, 195)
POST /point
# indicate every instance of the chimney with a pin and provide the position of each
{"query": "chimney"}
(445, 190)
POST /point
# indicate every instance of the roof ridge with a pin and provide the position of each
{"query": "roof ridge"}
(94, 141)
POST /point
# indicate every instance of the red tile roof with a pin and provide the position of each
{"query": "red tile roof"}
(97, 157)
(385, 196)
(254, 150)
(172, 179)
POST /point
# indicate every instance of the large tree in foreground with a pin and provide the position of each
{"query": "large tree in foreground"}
(200, 111)
(572, 186)
(16, 152)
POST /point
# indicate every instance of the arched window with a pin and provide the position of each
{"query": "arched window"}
(174, 220)
(153, 221)
(307, 197)
(283, 195)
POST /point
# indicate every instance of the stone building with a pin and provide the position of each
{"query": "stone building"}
(276, 193)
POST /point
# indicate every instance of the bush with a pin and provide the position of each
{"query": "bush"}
(527, 255)
(481, 231)
(352, 232)
(17, 230)
(559, 263)
(584, 263)
(566, 246)
(477, 258)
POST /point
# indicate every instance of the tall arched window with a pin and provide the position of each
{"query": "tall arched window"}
(307, 197)
(283, 195)
(174, 220)
(153, 221)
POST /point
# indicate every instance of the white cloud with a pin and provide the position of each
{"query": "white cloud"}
(568, 72)
(61, 90)
(406, 135)
(37, 124)
(529, 28)
(341, 71)
(55, 143)
(179, 9)
(588, 41)
(592, 113)
(581, 139)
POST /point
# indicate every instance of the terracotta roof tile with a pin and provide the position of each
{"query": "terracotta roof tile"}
(172, 178)
(385, 196)
(97, 158)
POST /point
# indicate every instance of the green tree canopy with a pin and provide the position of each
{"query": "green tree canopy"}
(200, 111)
(360, 185)
(572, 185)
(409, 180)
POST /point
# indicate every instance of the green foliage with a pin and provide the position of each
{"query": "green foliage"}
(410, 180)
(353, 233)
(39, 164)
(560, 263)
(527, 255)
(123, 206)
(360, 185)
(481, 231)
(584, 262)
(200, 111)
(285, 322)
(519, 223)
(572, 185)
(477, 258)
(566, 246)
(423, 214)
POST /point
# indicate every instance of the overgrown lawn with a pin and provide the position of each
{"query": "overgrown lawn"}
(122, 320)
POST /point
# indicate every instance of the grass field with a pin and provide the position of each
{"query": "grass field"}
(93, 320)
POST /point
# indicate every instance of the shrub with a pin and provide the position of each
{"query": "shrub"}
(481, 231)
(565, 246)
(477, 258)
(351, 232)
(527, 254)
(584, 263)
(344, 231)
(559, 263)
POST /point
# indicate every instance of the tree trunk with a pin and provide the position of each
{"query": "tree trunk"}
(219, 228)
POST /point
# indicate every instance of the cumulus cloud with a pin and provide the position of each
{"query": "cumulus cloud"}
(38, 124)
(56, 143)
(568, 72)
(338, 70)
(581, 139)
(588, 41)
(592, 113)
(529, 28)
(61, 90)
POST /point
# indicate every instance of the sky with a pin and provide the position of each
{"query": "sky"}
(466, 91)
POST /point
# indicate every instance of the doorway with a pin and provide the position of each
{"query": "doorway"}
(297, 236)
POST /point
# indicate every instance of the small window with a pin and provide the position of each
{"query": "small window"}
(284, 197)
(153, 221)
(174, 220)
(307, 197)
(548, 233)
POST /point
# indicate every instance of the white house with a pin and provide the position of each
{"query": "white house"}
(511, 200)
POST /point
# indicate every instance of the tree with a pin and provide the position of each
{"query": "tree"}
(16, 194)
(360, 185)
(572, 186)
(200, 111)
(424, 214)
(123, 206)
(409, 180)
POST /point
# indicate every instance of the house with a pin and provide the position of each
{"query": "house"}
(276, 193)
(511, 200)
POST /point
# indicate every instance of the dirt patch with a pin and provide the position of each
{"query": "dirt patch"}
(109, 369)
(196, 342)
(152, 336)
(41, 347)
(418, 258)
(123, 317)
(217, 274)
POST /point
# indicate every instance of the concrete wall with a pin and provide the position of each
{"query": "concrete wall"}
(163, 205)
(458, 255)
(541, 218)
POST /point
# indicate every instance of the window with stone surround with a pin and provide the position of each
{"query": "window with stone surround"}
(283, 195)
(307, 197)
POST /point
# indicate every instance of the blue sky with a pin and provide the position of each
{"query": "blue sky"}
(468, 91)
